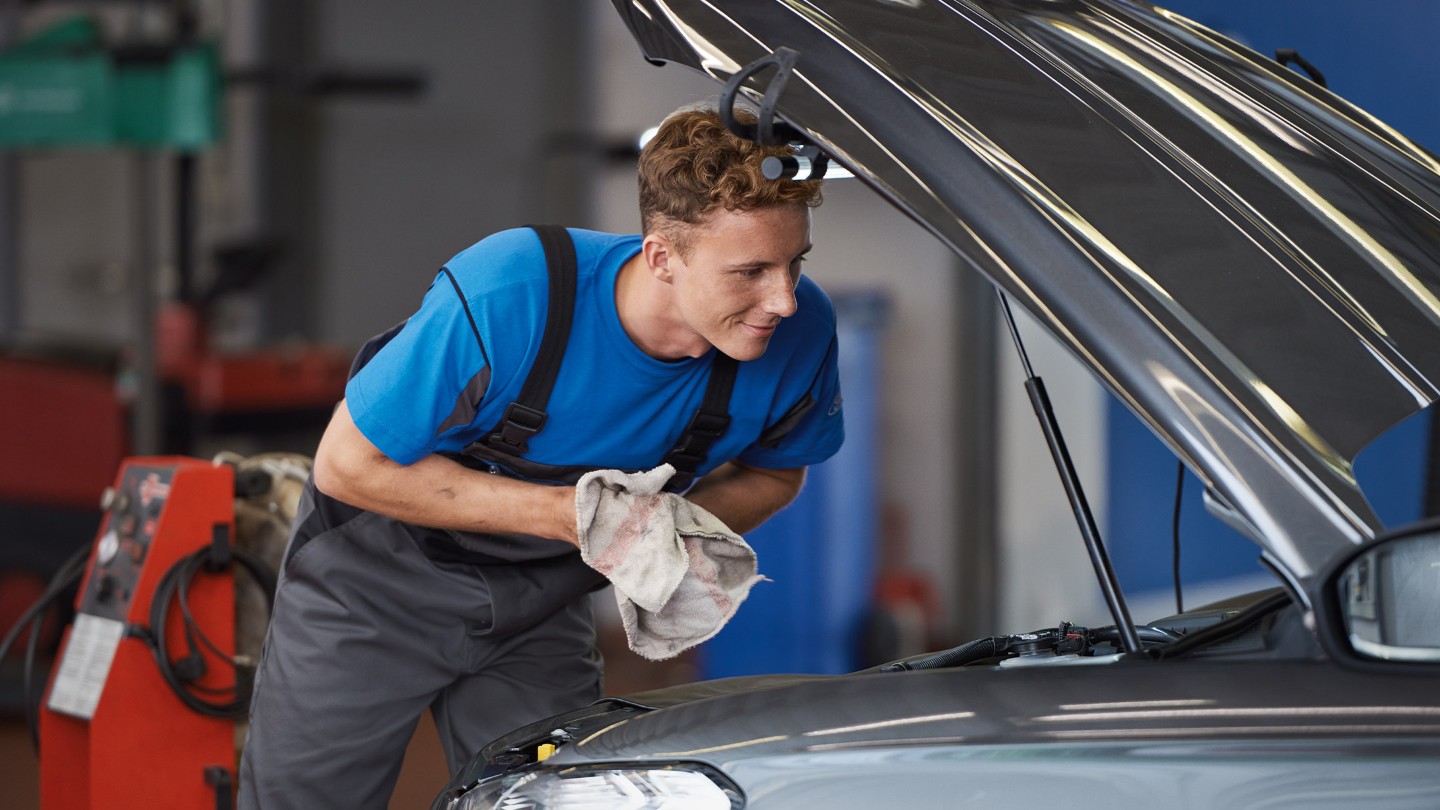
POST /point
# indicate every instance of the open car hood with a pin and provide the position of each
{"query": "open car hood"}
(1248, 261)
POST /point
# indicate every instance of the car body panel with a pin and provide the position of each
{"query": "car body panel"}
(1246, 260)
(1270, 774)
(1196, 701)
(1133, 733)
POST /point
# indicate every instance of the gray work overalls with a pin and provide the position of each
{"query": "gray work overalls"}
(375, 619)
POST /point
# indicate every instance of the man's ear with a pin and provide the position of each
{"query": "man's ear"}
(659, 251)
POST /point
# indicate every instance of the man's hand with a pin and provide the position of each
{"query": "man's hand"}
(436, 491)
(743, 497)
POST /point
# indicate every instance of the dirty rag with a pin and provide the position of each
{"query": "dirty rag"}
(679, 572)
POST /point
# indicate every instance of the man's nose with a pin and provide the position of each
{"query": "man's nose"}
(780, 295)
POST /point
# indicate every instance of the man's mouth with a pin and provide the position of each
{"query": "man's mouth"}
(760, 331)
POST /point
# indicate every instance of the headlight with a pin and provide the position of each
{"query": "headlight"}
(656, 787)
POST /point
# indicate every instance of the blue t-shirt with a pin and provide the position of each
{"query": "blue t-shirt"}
(435, 387)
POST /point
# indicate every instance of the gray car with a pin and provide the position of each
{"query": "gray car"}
(1251, 265)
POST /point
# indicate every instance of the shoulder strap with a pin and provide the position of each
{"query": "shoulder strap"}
(710, 422)
(526, 415)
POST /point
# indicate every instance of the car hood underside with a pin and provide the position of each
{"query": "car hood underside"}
(1246, 260)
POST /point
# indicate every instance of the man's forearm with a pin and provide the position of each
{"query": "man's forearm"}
(436, 491)
(743, 497)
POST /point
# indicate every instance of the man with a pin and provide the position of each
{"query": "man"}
(434, 562)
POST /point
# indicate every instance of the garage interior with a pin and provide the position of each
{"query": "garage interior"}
(193, 284)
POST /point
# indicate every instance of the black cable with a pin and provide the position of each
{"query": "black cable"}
(192, 627)
(69, 573)
(32, 701)
(175, 586)
(1175, 534)
(58, 583)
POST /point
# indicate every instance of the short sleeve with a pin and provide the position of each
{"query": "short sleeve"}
(429, 379)
(812, 430)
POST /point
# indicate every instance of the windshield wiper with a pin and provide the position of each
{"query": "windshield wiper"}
(1229, 628)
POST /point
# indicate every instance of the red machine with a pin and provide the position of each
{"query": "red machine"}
(133, 717)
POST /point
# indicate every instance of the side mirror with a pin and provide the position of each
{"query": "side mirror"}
(1382, 602)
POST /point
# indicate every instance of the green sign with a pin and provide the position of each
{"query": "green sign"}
(63, 88)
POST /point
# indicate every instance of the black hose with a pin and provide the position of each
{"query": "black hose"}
(954, 657)
(1157, 635)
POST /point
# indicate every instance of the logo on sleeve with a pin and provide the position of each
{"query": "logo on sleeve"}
(835, 406)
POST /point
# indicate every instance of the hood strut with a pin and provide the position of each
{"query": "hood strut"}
(1104, 571)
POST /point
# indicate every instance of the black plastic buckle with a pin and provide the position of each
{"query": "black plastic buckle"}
(694, 444)
(684, 461)
(218, 559)
(520, 424)
(704, 429)
(708, 425)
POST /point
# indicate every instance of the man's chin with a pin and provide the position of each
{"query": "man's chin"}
(744, 350)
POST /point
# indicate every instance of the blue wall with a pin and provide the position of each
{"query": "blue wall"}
(1380, 56)
(820, 550)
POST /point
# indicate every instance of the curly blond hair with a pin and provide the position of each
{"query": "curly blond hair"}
(694, 165)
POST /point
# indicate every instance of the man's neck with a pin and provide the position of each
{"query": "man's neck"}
(646, 307)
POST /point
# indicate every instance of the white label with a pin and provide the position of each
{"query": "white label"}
(86, 665)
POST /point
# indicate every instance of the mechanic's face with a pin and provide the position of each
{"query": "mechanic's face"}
(738, 280)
